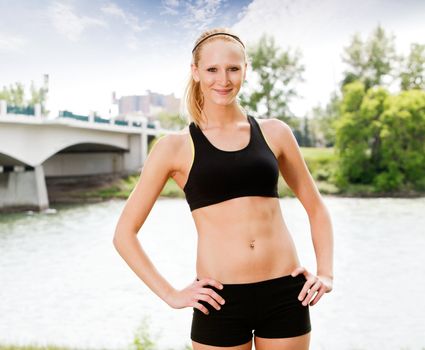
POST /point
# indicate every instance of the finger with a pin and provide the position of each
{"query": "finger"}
(318, 296)
(313, 290)
(298, 270)
(306, 287)
(211, 282)
(213, 294)
(209, 299)
(201, 307)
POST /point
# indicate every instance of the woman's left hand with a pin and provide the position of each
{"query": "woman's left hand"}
(319, 283)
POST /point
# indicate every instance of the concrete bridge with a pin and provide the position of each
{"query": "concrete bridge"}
(33, 148)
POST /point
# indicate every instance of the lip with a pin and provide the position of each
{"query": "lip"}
(222, 92)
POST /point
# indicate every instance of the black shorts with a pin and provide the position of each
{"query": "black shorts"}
(268, 309)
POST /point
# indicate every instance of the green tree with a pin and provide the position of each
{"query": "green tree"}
(372, 61)
(307, 137)
(380, 138)
(15, 96)
(276, 73)
(412, 75)
(402, 159)
(171, 121)
(324, 120)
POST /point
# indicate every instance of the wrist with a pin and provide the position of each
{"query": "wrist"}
(168, 297)
(327, 275)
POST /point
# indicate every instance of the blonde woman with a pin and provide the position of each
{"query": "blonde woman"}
(249, 283)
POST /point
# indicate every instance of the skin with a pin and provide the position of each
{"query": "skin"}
(226, 229)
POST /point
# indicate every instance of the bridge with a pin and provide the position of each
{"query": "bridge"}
(33, 148)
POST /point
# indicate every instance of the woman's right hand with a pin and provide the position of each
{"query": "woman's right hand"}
(190, 295)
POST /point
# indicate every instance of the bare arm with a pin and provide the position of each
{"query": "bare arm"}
(296, 174)
(157, 168)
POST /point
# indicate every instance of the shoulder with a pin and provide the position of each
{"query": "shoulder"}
(171, 148)
(274, 125)
(173, 140)
(277, 131)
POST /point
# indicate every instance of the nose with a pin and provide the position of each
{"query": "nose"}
(223, 78)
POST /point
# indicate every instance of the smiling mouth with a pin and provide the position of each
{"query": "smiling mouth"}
(223, 92)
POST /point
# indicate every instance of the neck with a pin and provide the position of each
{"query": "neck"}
(221, 116)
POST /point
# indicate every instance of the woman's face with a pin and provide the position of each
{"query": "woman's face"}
(221, 71)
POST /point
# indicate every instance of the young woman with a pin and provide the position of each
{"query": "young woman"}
(249, 278)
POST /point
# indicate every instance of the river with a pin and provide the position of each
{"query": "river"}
(62, 281)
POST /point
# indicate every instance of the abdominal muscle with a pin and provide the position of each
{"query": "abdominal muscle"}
(243, 240)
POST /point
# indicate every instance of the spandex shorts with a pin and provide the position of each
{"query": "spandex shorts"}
(267, 309)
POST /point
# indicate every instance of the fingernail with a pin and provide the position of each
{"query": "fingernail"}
(299, 298)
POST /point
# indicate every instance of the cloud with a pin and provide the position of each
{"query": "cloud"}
(68, 23)
(133, 23)
(11, 42)
(198, 14)
(128, 18)
(170, 7)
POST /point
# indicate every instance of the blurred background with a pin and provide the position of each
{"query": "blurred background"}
(86, 89)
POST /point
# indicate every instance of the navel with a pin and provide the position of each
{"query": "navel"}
(252, 244)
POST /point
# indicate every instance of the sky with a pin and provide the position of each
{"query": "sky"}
(91, 48)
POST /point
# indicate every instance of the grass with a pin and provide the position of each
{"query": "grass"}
(321, 163)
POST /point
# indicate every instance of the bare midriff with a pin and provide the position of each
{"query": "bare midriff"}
(243, 240)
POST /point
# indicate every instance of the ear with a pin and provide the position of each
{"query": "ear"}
(195, 74)
(244, 72)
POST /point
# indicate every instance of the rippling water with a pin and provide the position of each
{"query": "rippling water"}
(62, 281)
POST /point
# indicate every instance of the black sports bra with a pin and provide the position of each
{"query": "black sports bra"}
(217, 175)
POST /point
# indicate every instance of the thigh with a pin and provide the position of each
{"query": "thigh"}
(231, 326)
(280, 314)
(301, 342)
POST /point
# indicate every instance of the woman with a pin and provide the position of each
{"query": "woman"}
(249, 279)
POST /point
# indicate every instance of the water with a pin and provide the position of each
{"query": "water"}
(62, 281)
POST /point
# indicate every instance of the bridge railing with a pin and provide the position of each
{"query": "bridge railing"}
(35, 111)
(98, 119)
(30, 111)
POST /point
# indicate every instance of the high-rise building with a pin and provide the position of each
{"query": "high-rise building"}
(147, 105)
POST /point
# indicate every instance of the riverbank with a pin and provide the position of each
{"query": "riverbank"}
(320, 161)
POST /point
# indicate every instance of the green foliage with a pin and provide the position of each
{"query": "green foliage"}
(142, 339)
(380, 138)
(324, 119)
(412, 74)
(371, 61)
(403, 141)
(171, 121)
(15, 96)
(276, 73)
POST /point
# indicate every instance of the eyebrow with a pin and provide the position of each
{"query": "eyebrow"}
(229, 65)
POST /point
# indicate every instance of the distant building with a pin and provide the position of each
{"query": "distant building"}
(148, 105)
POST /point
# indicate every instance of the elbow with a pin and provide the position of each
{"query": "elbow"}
(120, 236)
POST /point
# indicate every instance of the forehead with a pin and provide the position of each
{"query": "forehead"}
(221, 52)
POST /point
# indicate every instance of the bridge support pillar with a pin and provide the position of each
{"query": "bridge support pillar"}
(24, 189)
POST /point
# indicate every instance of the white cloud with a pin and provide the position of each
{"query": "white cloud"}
(10, 42)
(129, 19)
(68, 23)
(113, 9)
(200, 14)
(170, 7)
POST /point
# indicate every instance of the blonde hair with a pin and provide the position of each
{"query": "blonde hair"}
(193, 97)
